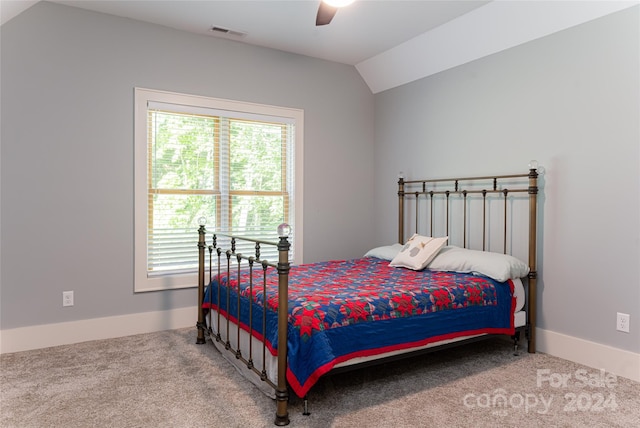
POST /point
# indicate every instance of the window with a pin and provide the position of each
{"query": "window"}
(237, 164)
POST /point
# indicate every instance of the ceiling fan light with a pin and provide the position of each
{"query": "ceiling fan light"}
(338, 3)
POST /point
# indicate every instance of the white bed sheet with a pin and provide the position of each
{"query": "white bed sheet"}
(518, 291)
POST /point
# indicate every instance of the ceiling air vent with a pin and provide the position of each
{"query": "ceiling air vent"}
(221, 31)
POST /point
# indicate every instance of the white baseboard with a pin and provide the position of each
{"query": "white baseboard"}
(613, 360)
(66, 333)
(595, 355)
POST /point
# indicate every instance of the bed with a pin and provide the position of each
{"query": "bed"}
(443, 286)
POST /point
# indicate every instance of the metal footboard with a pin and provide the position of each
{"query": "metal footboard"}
(231, 263)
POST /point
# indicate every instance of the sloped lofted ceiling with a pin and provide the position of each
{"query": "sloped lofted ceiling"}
(390, 42)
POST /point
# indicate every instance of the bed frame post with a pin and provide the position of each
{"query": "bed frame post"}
(533, 274)
(401, 210)
(201, 246)
(282, 394)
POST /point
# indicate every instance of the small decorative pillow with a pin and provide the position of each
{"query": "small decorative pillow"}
(418, 252)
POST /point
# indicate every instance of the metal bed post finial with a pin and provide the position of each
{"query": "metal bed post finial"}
(201, 246)
(282, 394)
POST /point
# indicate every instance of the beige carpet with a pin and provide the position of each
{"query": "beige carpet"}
(165, 380)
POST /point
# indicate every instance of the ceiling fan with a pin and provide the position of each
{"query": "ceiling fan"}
(328, 8)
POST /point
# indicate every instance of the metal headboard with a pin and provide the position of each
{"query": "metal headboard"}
(502, 186)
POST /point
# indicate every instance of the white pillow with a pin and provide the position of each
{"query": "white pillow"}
(500, 267)
(387, 252)
(418, 252)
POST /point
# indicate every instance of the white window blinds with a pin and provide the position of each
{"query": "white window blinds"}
(235, 168)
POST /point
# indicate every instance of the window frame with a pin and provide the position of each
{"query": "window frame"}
(142, 97)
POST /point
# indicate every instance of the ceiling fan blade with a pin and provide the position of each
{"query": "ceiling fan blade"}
(325, 13)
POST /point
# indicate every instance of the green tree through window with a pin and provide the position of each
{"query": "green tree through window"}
(234, 178)
(228, 161)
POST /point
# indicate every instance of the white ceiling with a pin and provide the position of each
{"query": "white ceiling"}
(390, 42)
(357, 32)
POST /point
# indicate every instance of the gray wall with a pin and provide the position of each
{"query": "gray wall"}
(570, 100)
(67, 152)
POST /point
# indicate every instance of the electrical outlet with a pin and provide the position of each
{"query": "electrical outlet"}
(67, 298)
(622, 323)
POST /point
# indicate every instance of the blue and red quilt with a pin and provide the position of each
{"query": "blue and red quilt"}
(339, 310)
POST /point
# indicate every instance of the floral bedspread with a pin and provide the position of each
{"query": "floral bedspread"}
(339, 310)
